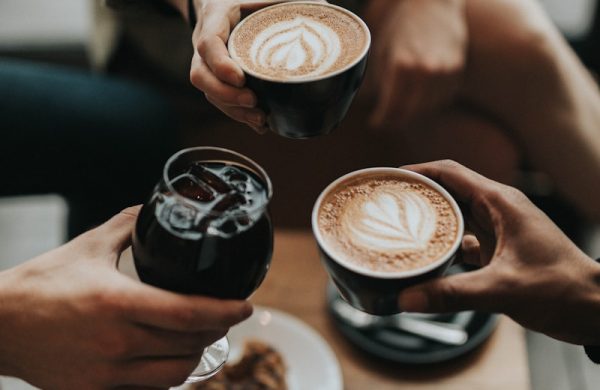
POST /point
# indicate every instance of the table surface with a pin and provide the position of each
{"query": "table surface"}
(296, 284)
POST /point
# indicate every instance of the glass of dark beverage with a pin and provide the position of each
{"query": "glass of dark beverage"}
(206, 230)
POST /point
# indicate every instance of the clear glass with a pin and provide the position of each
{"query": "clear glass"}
(206, 230)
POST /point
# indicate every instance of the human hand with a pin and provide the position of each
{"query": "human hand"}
(530, 270)
(70, 320)
(418, 56)
(213, 71)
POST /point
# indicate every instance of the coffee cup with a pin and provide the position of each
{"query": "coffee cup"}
(305, 62)
(381, 230)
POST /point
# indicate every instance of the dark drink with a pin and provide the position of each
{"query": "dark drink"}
(205, 230)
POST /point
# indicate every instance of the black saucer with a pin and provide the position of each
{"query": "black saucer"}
(401, 347)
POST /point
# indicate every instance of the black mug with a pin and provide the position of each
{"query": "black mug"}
(376, 292)
(310, 107)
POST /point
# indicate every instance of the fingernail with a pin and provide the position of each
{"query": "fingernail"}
(247, 100)
(255, 119)
(240, 79)
(413, 300)
(247, 310)
(262, 130)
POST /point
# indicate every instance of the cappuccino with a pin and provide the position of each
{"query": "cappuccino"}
(387, 222)
(298, 41)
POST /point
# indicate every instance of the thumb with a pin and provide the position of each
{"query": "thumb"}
(116, 232)
(467, 291)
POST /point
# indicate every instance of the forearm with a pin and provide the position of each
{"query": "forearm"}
(523, 72)
(7, 323)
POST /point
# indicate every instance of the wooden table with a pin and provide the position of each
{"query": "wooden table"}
(296, 284)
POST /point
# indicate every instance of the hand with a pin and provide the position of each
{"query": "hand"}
(213, 71)
(530, 270)
(419, 52)
(70, 320)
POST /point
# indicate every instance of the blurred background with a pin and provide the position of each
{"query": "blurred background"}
(66, 32)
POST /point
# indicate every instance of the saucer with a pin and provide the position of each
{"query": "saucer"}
(406, 348)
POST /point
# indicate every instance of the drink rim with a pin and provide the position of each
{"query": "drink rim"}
(233, 53)
(252, 165)
(381, 274)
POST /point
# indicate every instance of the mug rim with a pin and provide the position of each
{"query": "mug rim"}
(381, 274)
(363, 54)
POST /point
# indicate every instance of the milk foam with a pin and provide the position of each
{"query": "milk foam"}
(390, 221)
(387, 223)
(298, 43)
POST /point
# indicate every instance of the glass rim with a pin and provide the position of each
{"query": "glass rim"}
(252, 165)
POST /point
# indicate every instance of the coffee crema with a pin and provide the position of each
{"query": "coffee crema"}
(298, 41)
(387, 223)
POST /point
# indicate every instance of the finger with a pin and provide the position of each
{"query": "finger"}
(462, 182)
(153, 342)
(203, 79)
(387, 86)
(217, 20)
(251, 116)
(467, 291)
(160, 372)
(162, 309)
(114, 235)
(139, 388)
(470, 250)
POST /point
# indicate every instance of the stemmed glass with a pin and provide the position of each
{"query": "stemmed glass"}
(206, 230)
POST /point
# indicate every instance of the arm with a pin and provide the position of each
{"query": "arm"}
(522, 72)
(529, 269)
(70, 320)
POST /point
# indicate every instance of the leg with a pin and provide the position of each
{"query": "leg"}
(98, 142)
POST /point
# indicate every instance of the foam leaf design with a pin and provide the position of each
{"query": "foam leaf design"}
(301, 47)
(393, 221)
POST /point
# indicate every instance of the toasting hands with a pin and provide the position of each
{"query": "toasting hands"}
(529, 269)
(70, 320)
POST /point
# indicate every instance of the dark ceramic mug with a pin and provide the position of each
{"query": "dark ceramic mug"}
(310, 107)
(377, 292)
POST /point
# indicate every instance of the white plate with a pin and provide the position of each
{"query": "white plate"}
(311, 364)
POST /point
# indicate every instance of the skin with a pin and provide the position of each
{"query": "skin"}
(212, 70)
(70, 320)
(420, 47)
(494, 77)
(523, 74)
(529, 269)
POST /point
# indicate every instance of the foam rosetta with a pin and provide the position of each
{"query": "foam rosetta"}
(387, 223)
(390, 221)
(300, 43)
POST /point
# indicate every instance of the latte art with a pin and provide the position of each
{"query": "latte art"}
(392, 221)
(298, 41)
(387, 223)
(299, 44)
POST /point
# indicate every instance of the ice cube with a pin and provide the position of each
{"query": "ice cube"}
(229, 201)
(233, 174)
(181, 216)
(191, 188)
(211, 179)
